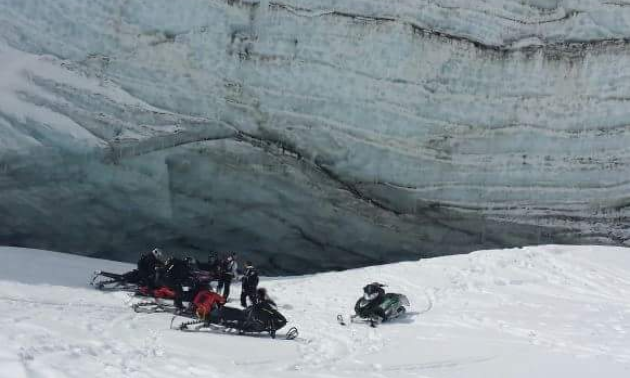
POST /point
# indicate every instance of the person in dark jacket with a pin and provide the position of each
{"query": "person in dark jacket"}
(263, 313)
(373, 297)
(227, 273)
(148, 267)
(177, 273)
(249, 284)
(212, 266)
(262, 298)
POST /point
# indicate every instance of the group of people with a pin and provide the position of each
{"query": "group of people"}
(188, 280)
(181, 275)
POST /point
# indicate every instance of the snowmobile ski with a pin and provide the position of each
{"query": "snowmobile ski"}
(341, 320)
(292, 334)
(153, 307)
(106, 281)
(197, 325)
(193, 325)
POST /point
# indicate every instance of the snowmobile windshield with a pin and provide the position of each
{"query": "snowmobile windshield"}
(369, 297)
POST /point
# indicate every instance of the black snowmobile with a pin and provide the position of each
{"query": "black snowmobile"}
(139, 279)
(258, 318)
(132, 281)
(107, 281)
(144, 275)
(376, 306)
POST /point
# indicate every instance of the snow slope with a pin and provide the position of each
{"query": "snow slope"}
(551, 311)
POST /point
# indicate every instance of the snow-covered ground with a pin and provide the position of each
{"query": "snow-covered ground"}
(552, 311)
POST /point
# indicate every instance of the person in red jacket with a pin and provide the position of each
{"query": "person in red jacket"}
(162, 292)
(206, 302)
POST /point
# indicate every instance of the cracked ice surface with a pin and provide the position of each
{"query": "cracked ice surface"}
(313, 135)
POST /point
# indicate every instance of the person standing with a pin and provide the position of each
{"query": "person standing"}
(177, 273)
(249, 284)
(213, 266)
(229, 271)
(148, 267)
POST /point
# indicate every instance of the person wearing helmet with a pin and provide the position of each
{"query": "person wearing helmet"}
(207, 305)
(249, 284)
(263, 298)
(264, 312)
(228, 271)
(159, 254)
(212, 266)
(192, 262)
(177, 276)
(148, 265)
(374, 294)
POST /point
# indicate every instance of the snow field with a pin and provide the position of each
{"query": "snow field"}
(551, 311)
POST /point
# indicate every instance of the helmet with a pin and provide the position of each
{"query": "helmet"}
(370, 297)
(248, 264)
(372, 291)
(261, 293)
(158, 254)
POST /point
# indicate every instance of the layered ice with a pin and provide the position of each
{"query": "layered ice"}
(313, 135)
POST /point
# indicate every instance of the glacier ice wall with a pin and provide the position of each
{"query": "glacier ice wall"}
(313, 135)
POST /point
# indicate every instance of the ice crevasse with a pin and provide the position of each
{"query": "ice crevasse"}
(313, 135)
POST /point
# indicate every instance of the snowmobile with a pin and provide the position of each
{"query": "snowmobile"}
(107, 281)
(164, 297)
(146, 267)
(258, 318)
(157, 304)
(132, 281)
(375, 306)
